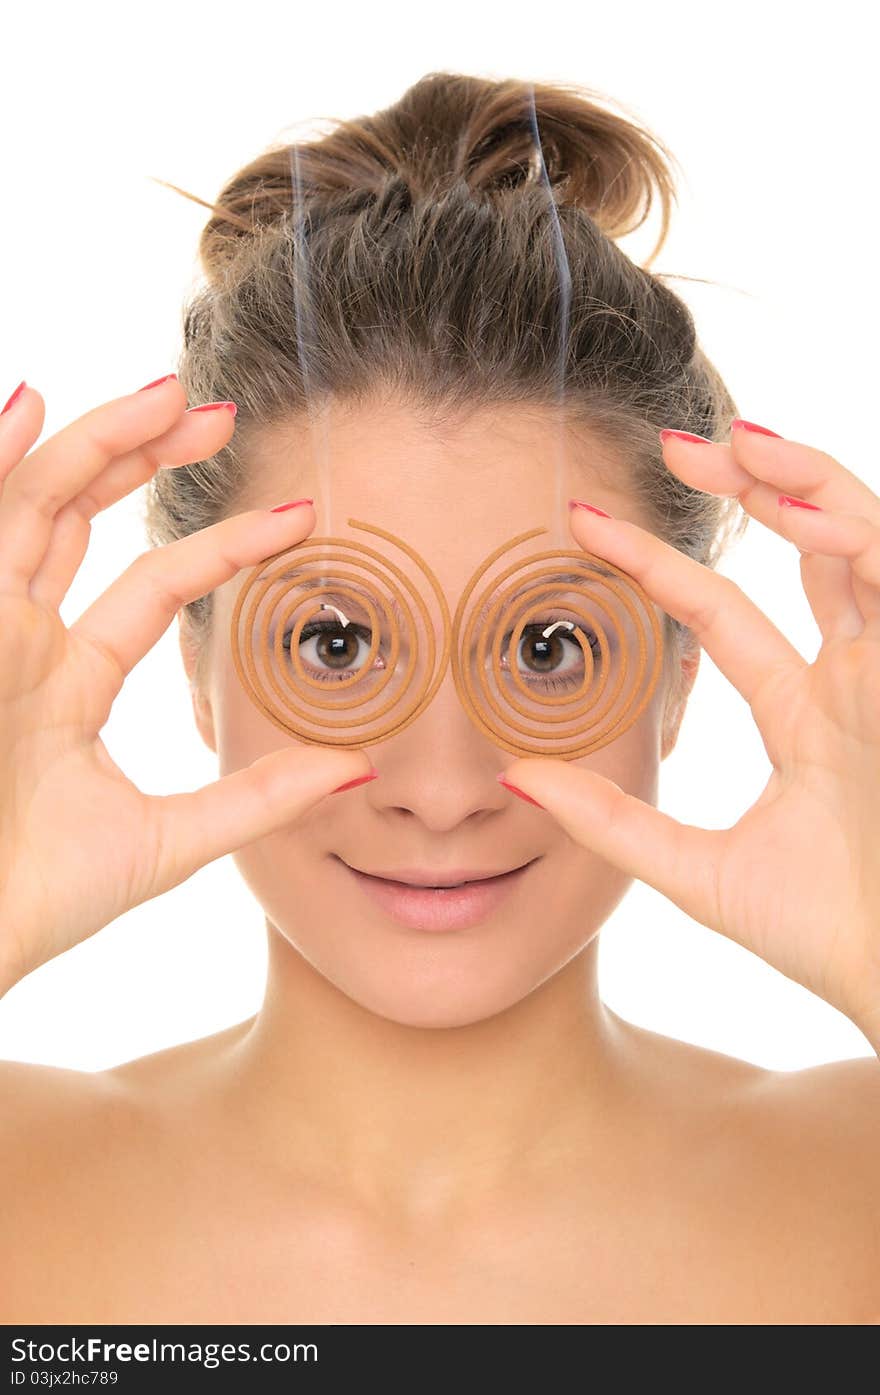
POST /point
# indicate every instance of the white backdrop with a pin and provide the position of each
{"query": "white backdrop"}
(770, 110)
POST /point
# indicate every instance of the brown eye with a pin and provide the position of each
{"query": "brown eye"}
(554, 659)
(555, 656)
(336, 650)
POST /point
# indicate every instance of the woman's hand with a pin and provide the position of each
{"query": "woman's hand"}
(79, 843)
(797, 878)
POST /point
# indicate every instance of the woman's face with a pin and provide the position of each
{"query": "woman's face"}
(454, 496)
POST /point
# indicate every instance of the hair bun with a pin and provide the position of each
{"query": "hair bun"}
(484, 132)
(450, 128)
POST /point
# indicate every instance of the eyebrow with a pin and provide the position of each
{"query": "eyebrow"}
(564, 577)
(331, 595)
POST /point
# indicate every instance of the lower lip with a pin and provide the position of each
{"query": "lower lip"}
(420, 908)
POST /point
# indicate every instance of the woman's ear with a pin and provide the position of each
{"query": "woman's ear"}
(677, 701)
(202, 710)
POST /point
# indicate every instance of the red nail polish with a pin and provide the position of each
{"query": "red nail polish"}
(739, 424)
(157, 382)
(350, 784)
(214, 407)
(279, 508)
(15, 396)
(789, 501)
(685, 436)
(579, 504)
(522, 794)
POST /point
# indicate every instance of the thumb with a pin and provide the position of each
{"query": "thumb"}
(201, 825)
(677, 859)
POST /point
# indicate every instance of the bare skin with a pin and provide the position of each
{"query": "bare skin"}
(721, 1194)
(433, 1128)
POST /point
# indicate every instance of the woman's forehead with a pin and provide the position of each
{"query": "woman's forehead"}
(453, 492)
(502, 469)
(479, 438)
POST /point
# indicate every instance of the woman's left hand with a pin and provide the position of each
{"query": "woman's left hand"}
(797, 878)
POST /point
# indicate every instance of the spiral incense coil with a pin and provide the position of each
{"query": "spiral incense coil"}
(351, 591)
(566, 605)
(563, 608)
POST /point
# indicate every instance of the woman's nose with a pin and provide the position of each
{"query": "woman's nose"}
(443, 730)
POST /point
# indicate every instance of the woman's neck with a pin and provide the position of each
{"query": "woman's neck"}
(413, 1118)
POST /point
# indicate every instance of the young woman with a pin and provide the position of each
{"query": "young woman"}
(419, 1126)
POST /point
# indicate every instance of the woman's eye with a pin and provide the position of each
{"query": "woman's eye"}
(331, 651)
(555, 659)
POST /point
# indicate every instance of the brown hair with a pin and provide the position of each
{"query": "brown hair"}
(420, 222)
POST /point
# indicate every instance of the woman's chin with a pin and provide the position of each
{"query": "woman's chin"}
(447, 975)
(416, 989)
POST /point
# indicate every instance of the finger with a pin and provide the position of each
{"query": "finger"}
(828, 581)
(746, 645)
(20, 427)
(791, 467)
(706, 465)
(201, 825)
(829, 585)
(131, 616)
(195, 436)
(47, 479)
(677, 859)
(805, 472)
(843, 535)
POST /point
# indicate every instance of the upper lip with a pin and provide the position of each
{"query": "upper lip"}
(419, 876)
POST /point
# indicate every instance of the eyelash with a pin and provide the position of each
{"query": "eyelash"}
(315, 627)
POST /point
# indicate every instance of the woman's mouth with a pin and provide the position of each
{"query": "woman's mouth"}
(439, 908)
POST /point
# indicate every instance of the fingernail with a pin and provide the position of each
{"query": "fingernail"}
(789, 501)
(350, 784)
(157, 382)
(685, 436)
(513, 789)
(739, 425)
(579, 504)
(214, 407)
(15, 396)
(279, 508)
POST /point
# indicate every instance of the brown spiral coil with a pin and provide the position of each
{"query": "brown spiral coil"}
(275, 679)
(496, 699)
(565, 725)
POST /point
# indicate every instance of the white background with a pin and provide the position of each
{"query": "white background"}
(771, 112)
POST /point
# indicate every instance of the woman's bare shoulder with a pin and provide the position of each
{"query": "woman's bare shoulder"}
(822, 1126)
(32, 1095)
(58, 1128)
(40, 1103)
(831, 1112)
(831, 1108)
(72, 1141)
(784, 1167)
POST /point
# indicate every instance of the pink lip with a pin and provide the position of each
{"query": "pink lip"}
(420, 908)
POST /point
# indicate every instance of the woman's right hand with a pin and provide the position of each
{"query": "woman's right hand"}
(79, 843)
